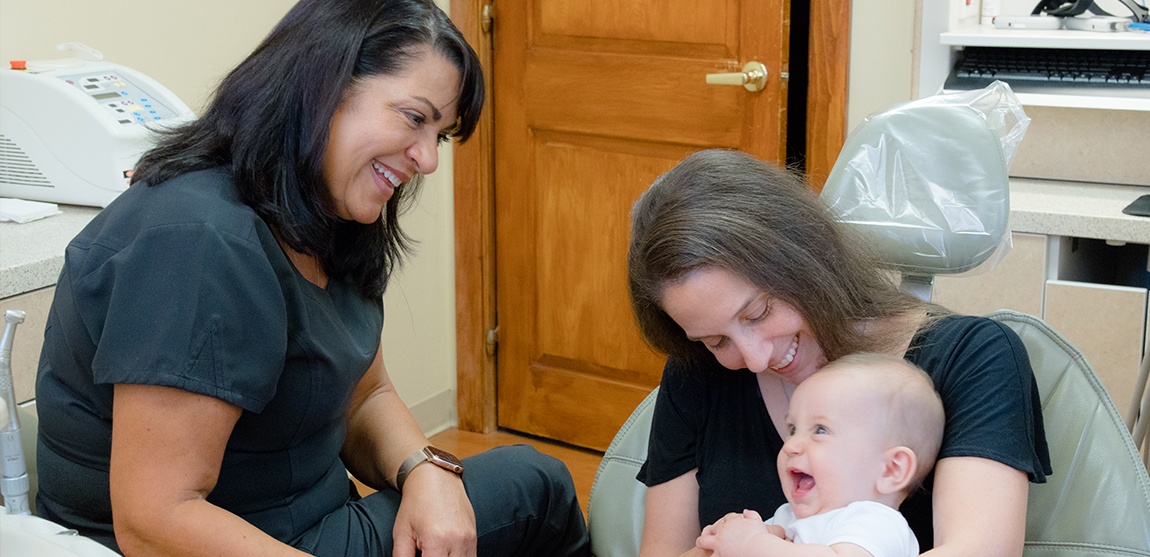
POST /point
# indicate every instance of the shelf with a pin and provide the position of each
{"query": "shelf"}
(985, 35)
(1084, 101)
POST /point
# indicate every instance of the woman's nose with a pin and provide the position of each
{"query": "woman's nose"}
(755, 353)
(425, 153)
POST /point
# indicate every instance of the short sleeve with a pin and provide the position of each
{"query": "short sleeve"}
(983, 375)
(188, 306)
(672, 450)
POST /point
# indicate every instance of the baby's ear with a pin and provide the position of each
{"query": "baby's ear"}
(898, 470)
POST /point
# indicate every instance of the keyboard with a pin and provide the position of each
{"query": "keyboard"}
(1112, 73)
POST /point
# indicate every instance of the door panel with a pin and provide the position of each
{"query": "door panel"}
(593, 100)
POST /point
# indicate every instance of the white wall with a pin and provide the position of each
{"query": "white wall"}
(189, 47)
(881, 54)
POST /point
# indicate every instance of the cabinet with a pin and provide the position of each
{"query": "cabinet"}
(1093, 292)
(1107, 324)
(29, 338)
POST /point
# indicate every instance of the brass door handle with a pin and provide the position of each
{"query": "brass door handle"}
(753, 77)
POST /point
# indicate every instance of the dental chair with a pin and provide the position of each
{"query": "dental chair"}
(943, 215)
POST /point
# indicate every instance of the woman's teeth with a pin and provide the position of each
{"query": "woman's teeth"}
(790, 357)
(386, 174)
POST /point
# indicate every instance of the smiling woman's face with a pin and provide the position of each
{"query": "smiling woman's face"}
(387, 131)
(742, 325)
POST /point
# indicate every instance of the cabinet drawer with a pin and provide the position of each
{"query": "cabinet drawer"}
(1107, 323)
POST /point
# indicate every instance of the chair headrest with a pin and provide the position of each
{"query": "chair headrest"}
(927, 179)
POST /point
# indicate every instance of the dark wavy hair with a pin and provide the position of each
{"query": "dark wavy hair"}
(269, 122)
(727, 210)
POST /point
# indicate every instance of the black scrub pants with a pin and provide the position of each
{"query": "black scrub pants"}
(525, 505)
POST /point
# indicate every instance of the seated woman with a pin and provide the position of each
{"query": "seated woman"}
(742, 276)
(211, 367)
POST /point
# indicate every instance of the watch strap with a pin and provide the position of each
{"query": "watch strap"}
(426, 454)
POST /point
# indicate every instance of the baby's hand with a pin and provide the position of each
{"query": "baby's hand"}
(775, 530)
(732, 534)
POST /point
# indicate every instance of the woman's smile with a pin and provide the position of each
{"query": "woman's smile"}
(391, 181)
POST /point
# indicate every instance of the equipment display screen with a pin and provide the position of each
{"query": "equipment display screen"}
(133, 104)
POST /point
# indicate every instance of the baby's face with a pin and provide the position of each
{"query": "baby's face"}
(834, 454)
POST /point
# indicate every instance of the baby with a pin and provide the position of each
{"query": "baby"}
(863, 433)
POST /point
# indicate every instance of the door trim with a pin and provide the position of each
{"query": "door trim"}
(474, 195)
(474, 192)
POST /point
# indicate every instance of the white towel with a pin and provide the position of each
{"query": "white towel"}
(22, 210)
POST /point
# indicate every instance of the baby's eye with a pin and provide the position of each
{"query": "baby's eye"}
(790, 430)
(444, 138)
(821, 430)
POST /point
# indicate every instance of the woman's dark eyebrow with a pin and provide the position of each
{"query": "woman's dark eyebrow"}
(436, 115)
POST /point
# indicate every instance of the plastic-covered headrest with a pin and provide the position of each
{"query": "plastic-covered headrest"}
(927, 179)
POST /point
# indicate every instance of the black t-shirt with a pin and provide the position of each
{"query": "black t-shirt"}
(714, 420)
(182, 285)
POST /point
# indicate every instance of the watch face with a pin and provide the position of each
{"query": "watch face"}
(445, 459)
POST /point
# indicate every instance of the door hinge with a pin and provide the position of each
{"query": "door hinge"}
(487, 18)
(492, 341)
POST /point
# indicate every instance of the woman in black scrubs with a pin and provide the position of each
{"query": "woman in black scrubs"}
(211, 368)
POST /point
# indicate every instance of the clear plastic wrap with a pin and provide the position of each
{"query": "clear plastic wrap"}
(927, 179)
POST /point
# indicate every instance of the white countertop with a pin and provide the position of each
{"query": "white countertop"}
(32, 254)
(1077, 209)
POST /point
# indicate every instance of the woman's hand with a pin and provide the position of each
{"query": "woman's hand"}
(736, 534)
(435, 516)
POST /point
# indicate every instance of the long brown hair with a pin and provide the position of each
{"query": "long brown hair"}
(725, 209)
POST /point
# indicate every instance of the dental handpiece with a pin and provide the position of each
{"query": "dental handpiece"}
(14, 480)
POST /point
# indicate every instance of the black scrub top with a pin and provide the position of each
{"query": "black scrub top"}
(182, 285)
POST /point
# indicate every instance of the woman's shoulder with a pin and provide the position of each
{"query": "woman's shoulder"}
(953, 345)
(200, 199)
(944, 329)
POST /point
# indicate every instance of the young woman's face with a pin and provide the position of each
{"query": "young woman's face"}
(835, 451)
(386, 131)
(742, 325)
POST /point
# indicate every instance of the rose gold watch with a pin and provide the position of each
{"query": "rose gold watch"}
(438, 457)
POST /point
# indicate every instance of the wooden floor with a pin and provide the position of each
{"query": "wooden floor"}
(582, 462)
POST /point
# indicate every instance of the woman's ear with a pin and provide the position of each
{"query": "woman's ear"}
(898, 470)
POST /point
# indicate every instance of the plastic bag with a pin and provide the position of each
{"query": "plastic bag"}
(927, 179)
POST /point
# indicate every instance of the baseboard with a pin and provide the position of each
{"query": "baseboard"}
(435, 413)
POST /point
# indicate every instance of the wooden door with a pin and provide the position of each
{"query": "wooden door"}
(592, 100)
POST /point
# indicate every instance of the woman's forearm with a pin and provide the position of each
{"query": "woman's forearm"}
(381, 432)
(195, 527)
(979, 508)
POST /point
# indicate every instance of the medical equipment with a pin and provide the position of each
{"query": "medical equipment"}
(14, 483)
(72, 129)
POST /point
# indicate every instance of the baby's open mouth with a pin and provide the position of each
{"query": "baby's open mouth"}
(803, 482)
